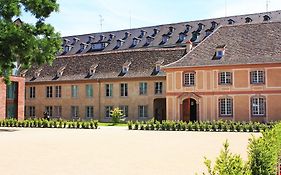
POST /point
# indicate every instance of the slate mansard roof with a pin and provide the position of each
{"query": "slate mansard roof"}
(108, 65)
(243, 44)
(195, 31)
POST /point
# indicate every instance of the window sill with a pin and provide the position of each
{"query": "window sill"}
(258, 116)
(257, 84)
(188, 85)
(226, 116)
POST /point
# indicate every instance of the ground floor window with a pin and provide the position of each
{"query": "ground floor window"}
(258, 106)
(107, 111)
(49, 110)
(31, 111)
(125, 110)
(89, 112)
(57, 111)
(74, 112)
(143, 112)
(226, 106)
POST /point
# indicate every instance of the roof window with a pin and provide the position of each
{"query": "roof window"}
(182, 37)
(37, 73)
(119, 43)
(195, 35)
(90, 39)
(102, 37)
(75, 40)
(230, 21)
(111, 36)
(99, 46)
(127, 34)
(65, 41)
(158, 65)
(165, 39)
(171, 30)
(60, 71)
(214, 25)
(187, 28)
(155, 31)
(67, 48)
(83, 46)
(149, 39)
(200, 27)
(93, 69)
(125, 67)
(220, 52)
(266, 18)
(135, 42)
(248, 20)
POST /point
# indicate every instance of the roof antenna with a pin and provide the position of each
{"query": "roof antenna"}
(225, 8)
(267, 4)
(101, 20)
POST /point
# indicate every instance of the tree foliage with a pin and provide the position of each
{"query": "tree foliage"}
(26, 43)
(116, 115)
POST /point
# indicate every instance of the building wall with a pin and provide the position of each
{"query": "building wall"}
(20, 97)
(207, 91)
(99, 100)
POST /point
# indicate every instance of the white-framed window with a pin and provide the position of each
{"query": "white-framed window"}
(226, 106)
(108, 90)
(143, 88)
(125, 110)
(58, 91)
(158, 87)
(32, 92)
(189, 79)
(89, 90)
(124, 90)
(219, 54)
(74, 91)
(107, 110)
(31, 111)
(58, 111)
(257, 77)
(49, 91)
(89, 112)
(49, 110)
(258, 104)
(74, 112)
(225, 78)
(143, 111)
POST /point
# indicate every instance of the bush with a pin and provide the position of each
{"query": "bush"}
(117, 115)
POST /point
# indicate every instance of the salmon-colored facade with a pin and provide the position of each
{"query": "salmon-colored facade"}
(207, 91)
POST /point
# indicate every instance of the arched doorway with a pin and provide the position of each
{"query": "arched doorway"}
(189, 110)
(159, 105)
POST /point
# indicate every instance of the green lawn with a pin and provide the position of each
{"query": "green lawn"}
(111, 124)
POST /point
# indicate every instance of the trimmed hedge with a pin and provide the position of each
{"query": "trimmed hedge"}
(214, 126)
(53, 123)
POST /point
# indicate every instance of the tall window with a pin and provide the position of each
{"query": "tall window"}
(74, 91)
(49, 91)
(89, 91)
(107, 111)
(49, 110)
(258, 106)
(12, 91)
(108, 90)
(225, 78)
(226, 106)
(58, 91)
(158, 87)
(123, 89)
(31, 111)
(32, 92)
(58, 111)
(74, 112)
(257, 77)
(143, 88)
(125, 110)
(143, 113)
(89, 112)
(189, 79)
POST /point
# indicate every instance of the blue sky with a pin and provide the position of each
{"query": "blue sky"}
(83, 16)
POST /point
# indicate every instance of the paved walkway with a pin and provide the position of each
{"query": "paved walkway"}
(110, 151)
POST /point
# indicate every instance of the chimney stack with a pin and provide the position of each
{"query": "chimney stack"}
(188, 46)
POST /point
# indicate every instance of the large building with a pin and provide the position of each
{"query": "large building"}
(97, 72)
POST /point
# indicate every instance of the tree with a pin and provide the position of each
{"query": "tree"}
(26, 44)
(116, 115)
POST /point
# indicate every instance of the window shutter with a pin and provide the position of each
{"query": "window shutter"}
(231, 78)
(251, 77)
(263, 81)
(219, 78)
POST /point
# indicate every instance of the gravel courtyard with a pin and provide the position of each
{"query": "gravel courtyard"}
(111, 151)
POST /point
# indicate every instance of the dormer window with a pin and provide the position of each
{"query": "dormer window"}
(102, 37)
(65, 41)
(119, 43)
(195, 35)
(149, 39)
(60, 71)
(125, 67)
(165, 39)
(230, 21)
(155, 31)
(220, 51)
(23, 72)
(135, 42)
(37, 73)
(158, 65)
(182, 37)
(143, 32)
(266, 18)
(208, 32)
(111, 36)
(92, 69)
(75, 40)
(90, 39)
(187, 28)
(248, 20)
(200, 27)
(83, 46)
(67, 48)
(171, 30)
(214, 25)
(127, 34)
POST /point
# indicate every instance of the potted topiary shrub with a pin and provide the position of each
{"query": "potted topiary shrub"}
(117, 116)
